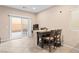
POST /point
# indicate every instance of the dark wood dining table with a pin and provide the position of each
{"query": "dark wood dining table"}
(40, 35)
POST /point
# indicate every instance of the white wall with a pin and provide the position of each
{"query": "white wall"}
(4, 20)
(52, 18)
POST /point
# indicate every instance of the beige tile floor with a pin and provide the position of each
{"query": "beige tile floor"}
(28, 45)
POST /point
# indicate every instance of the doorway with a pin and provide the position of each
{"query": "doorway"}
(20, 27)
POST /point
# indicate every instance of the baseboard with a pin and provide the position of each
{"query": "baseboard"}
(72, 47)
(2, 41)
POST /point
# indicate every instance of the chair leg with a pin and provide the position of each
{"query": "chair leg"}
(54, 47)
(49, 48)
(42, 46)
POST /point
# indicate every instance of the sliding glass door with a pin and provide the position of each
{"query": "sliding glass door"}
(20, 27)
(25, 26)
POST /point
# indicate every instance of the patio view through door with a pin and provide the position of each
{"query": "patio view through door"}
(20, 27)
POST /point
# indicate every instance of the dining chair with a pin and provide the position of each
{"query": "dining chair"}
(57, 38)
(49, 40)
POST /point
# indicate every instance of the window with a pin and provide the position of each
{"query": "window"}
(75, 20)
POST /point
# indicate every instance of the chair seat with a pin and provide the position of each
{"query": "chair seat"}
(47, 38)
(47, 41)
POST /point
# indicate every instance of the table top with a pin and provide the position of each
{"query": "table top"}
(43, 30)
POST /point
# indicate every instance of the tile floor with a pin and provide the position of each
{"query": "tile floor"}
(29, 45)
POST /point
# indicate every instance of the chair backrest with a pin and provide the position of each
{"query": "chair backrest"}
(58, 34)
(58, 31)
(46, 34)
(52, 33)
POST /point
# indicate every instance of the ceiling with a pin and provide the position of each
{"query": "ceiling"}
(31, 8)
